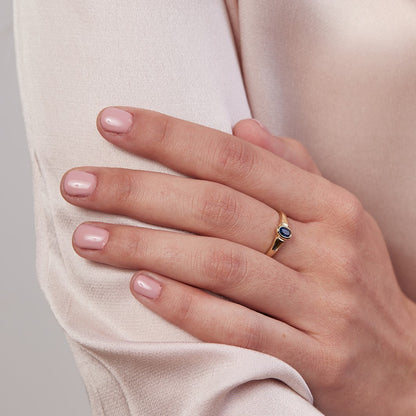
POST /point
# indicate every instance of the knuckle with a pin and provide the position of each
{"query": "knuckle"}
(335, 365)
(182, 311)
(224, 268)
(348, 315)
(300, 149)
(235, 159)
(353, 209)
(349, 213)
(246, 334)
(129, 248)
(298, 152)
(165, 130)
(347, 261)
(151, 131)
(345, 311)
(219, 208)
(346, 258)
(125, 189)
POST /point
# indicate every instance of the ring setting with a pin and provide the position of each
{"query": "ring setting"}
(283, 233)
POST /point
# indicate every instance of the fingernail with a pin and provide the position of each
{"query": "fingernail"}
(146, 286)
(114, 120)
(91, 237)
(78, 183)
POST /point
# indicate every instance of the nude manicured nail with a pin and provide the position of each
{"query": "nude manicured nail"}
(146, 286)
(115, 120)
(91, 237)
(78, 183)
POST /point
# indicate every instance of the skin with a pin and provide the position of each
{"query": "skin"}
(328, 303)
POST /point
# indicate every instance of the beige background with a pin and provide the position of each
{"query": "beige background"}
(38, 374)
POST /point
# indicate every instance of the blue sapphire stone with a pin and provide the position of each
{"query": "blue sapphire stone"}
(285, 232)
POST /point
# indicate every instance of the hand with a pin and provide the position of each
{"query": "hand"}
(328, 303)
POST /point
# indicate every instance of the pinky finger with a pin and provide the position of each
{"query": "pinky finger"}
(217, 320)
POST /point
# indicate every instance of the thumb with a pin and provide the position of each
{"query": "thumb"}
(289, 149)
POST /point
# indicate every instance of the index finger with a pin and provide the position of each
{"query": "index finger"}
(210, 154)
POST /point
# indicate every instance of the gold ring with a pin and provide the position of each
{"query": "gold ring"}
(283, 233)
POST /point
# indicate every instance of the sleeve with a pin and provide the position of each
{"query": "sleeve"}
(74, 58)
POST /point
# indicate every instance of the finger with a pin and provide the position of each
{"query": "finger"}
(197, 206)
(234, 271)
(210, 154)
(289, 149)
(216, 320)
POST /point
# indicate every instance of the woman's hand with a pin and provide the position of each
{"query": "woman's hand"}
(328, 303)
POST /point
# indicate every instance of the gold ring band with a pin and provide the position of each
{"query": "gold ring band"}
(283, 233)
